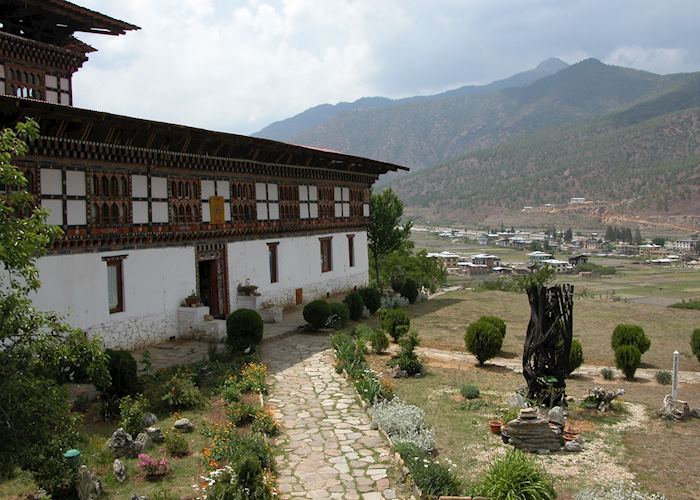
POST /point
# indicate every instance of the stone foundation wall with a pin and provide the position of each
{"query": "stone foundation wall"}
(136, 332)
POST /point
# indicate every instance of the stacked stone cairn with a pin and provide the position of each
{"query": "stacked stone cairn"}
(531, 433)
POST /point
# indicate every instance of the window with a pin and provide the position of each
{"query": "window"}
(267, 201)
(57, 89)
(341, 196)
(326, 254)
(115, 283)
(308, 202)
(243, 203)
(272, 251)
(110, 200)
(351, 249)
(184, 200)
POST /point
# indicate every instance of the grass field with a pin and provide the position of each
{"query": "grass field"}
(441, 323)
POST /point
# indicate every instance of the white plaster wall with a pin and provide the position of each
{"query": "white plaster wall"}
(299, 266)
(155, 282)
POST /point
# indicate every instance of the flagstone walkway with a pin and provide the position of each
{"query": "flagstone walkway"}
(330, 450)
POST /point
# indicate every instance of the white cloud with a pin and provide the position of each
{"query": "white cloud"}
(656, 60)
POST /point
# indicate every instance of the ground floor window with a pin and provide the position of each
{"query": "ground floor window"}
(326, 254)
(115, 283)
(351, 249)
(272, 251)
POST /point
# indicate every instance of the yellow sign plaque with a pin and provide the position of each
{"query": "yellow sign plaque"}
(216, 209)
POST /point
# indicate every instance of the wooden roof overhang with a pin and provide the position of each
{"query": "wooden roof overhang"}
(143, 139)
(55, 21)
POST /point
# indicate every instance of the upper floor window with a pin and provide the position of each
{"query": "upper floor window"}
(308, 202)
(243, 201)
(57, 89)
(267, 201)
(325, 202)
(185, 201)
(110, 199)
(341, 196)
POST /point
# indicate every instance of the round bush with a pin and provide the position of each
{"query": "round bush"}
(356, 305)
(372, 298)
(695, 343)
(469, 391)
(630, 335)
(244, 329)
(483, 340)
(123, 372)
(396, 322)
(627, 359)
(397, 283)
(316, 313)
(497, 322)
(409, 289)
(340, 315)
(379, 341)
(575, 356)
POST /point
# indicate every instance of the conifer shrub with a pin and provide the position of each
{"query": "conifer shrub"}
(123, 371)
(406, 359)
(340, 315)
(695, 343)
(575, 356)
(379, 341)
(244, 329)
(316, 313)
(630, 335)
(498, 323)
(371, 298)
(355, 304)
(628, 359)
(409, 289)
(483, 340)
(396, 322)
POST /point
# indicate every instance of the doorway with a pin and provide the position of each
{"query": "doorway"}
(212, 278)
(208, 285)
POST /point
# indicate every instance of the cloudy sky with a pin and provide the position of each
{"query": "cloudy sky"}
(237, 65)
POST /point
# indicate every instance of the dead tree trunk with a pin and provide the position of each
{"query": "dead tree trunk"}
(548, 343)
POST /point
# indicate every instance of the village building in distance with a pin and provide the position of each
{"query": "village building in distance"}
(154, 212)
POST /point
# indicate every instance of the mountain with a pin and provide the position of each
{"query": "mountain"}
(641, 160)
(425, 132)
(291, 128)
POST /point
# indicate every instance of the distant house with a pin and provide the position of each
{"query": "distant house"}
(560, 266)
(502, 270)
(471, 269)
(685, 246)
(577, 259)
(538, 257)
(448, 260)
(577, 200)
(485, 259)
(652, 250)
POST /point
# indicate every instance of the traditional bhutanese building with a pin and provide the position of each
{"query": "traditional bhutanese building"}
(152, 212)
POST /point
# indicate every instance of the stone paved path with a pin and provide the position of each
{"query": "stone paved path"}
(330, 449)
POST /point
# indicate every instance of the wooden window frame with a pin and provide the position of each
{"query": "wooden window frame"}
(117, 262)
(273, 257)
(326, 263)
(351, 250)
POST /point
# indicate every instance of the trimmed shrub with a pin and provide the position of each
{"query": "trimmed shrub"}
(180, 393)
(396, 322)
(433, 478)
(663, 377)
(575, 356)
(607, 373)
(355, 304)
(176, 444)
(123, 372)
(627, 359)
(483, 340)
(630, 335)
(371, 298)
(379, 341)
(244, 329)
(340, 315)
(516, 476)
(498, 323)
(695, 343)
(409, 289)
(132, 410)
(316, 313)
(469, 391)
(406, 359)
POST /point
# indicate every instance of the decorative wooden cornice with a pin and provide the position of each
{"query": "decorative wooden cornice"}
(43, 55)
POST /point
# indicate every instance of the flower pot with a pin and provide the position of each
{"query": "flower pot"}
(191, 301)
(570, 436)
(495, 426)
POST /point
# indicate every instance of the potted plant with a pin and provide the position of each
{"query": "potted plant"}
(193, 299)
(247, 296)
